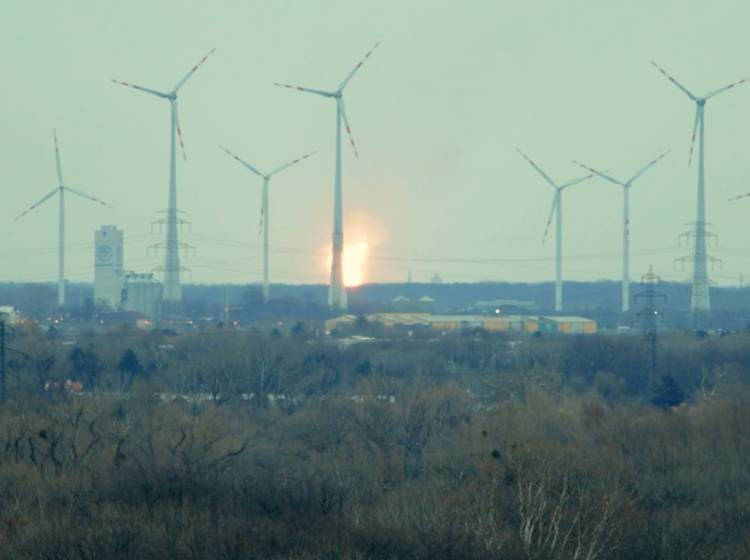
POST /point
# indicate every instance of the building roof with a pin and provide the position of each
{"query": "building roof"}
(455, 318)
(402, 318)
(567, 319)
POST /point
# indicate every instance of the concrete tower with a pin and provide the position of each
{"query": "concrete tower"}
(109, 278)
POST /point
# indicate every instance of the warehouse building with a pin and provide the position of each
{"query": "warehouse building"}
(567, 325)
(496, 323)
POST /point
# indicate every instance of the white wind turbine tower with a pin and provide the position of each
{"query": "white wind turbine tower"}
(557, 211)
(625, 221)
(337, 290)
(172, 269)
(264, 207)
(699, 300)
(61, 189)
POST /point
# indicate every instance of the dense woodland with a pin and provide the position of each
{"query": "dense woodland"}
(247, 444)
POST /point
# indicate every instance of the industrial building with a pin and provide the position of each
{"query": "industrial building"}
(109, 278)
(567, 325)
(143, 294)
(515, 323)
(116, 290)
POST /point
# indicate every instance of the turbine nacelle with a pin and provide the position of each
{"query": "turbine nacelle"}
(265, 176)
(171, 96)
(700, 102)
(629, 182)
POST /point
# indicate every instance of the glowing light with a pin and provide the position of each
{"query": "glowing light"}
(355, 260)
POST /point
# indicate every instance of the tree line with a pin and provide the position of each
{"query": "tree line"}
(469, 445)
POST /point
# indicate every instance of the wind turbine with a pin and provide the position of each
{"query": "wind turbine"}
(337, 290)
(699, 300)
(172, 288)
(557, 211)
(625, 221)
(264, 207)
(61, 189)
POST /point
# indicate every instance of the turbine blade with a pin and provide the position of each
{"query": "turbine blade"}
(86, 195)
(192, 71)
(242, 161)
(41, 201)
(141, 88)
(695, 130)
(675, 82)
(576, 181)
(746, 195)
(306, 90)
(599, 173)
(357, 67)
(648, 166)
(725, 88)
(57, 159)
(539, 169)
(179, 130)
(348, 128)
(288, 165)
(549, 220)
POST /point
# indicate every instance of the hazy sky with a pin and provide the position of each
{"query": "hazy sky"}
(437, 112)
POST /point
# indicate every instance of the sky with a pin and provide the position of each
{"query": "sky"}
(437, 113)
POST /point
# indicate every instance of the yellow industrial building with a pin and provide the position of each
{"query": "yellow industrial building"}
(517, 323)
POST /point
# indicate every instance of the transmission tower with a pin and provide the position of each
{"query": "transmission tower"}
(699, 262)
(171, 270)
(649, 314)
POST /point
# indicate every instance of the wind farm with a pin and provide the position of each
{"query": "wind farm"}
(509, 318)
(380, 255)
